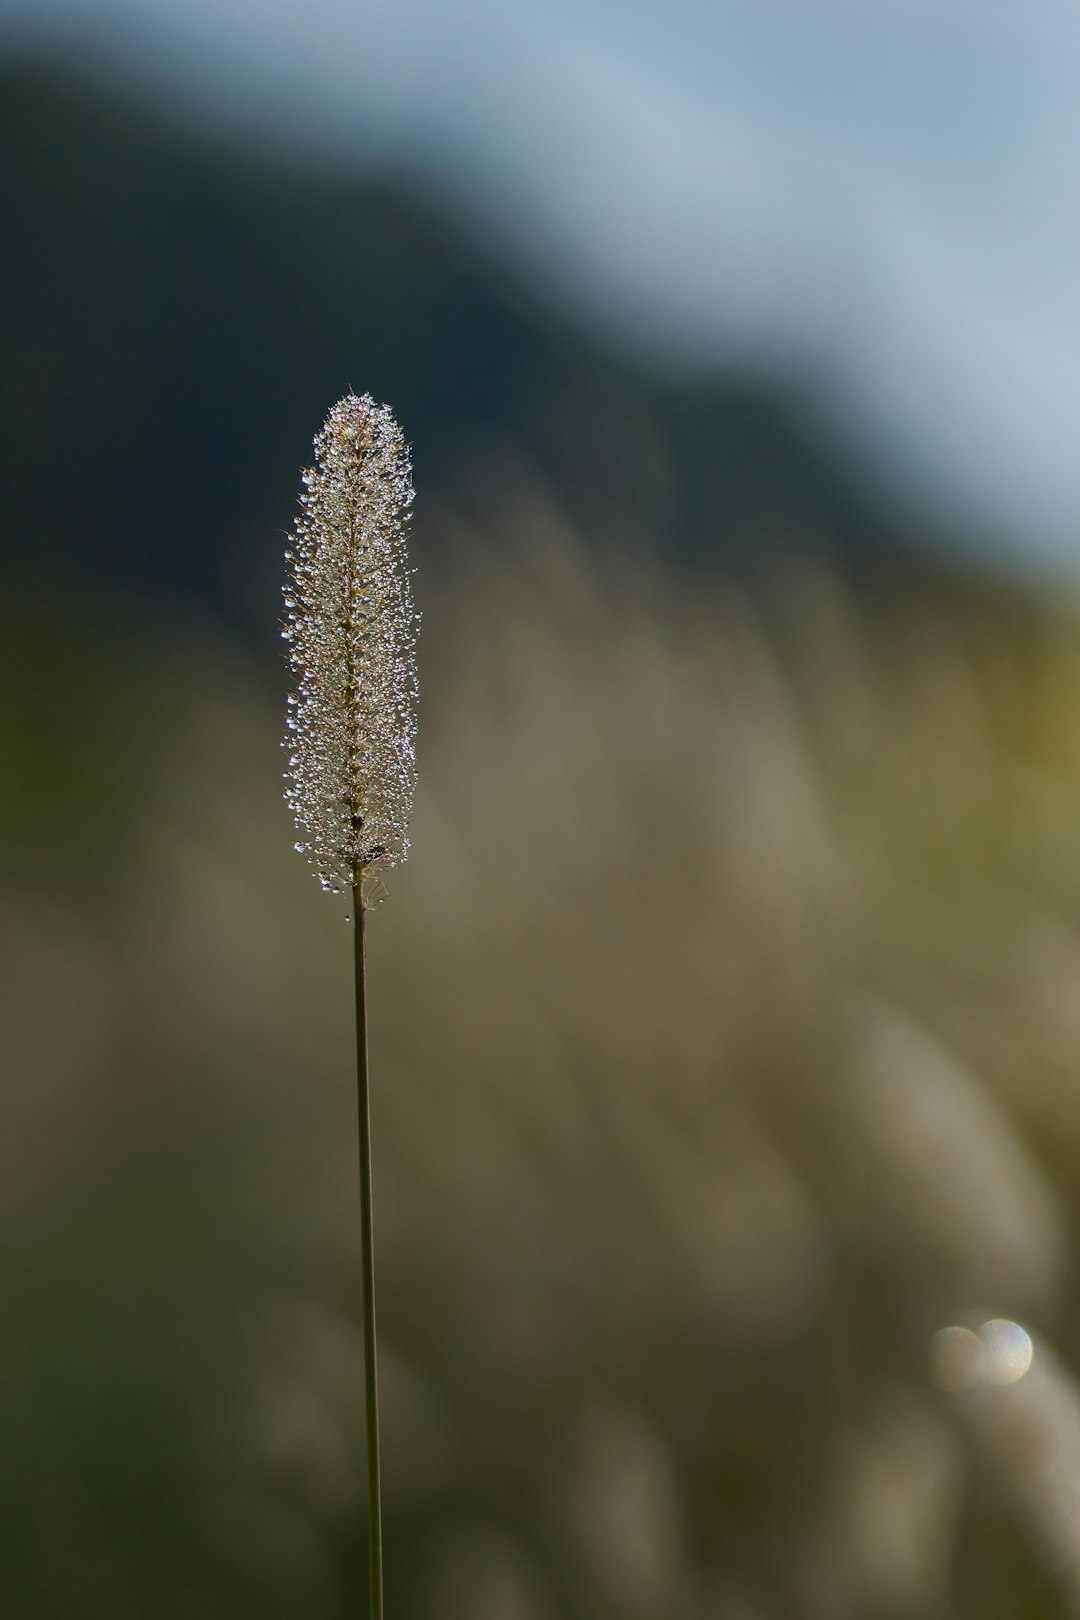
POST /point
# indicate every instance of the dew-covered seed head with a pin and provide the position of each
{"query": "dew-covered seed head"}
(351, 630)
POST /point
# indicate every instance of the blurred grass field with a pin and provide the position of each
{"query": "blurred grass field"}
(726, 1028)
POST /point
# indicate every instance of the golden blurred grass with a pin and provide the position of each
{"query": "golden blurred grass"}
(725, 1044)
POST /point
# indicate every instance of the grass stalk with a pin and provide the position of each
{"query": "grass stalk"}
(367, 1258)
(350, 731)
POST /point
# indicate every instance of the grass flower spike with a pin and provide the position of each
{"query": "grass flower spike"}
(351, 629)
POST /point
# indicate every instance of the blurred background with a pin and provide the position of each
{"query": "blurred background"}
(726, 1017)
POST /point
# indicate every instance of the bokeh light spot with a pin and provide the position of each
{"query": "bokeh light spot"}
(957, 1359)
(1008, 1350)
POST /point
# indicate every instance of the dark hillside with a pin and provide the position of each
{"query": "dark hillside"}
(175, 324)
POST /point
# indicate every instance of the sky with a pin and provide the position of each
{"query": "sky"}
(881, 195)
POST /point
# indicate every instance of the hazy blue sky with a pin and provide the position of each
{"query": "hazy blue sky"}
(885, 192)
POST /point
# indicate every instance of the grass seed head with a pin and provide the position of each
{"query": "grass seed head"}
(351, 630)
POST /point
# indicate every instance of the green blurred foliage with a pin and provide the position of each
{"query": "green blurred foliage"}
(725, 1023)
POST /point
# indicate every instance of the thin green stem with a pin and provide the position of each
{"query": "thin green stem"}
(367, 1257)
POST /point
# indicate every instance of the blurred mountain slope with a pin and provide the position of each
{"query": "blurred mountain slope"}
(176, 321)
